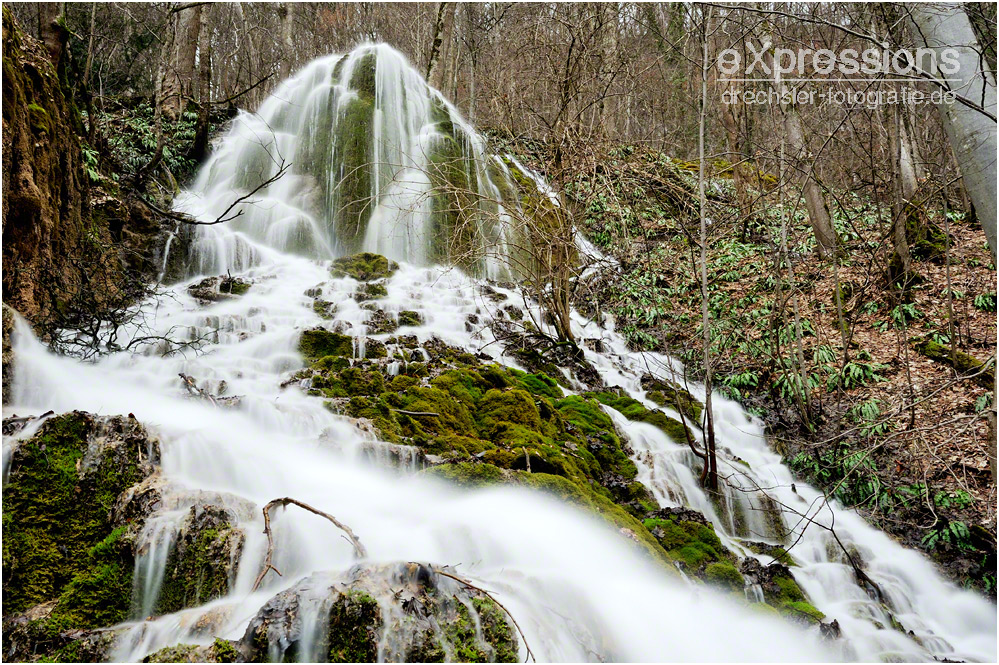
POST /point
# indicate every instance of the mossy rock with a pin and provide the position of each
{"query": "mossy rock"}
(669, 395)
(443, 629)
(319, 343)
(220, 651)
(364, 267)
(725, 576)
(60, 543)
(693, 543)
(410, 318)
(635, 410)
(201, 565)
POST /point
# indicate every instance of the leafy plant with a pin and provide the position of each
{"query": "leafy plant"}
(985, 302)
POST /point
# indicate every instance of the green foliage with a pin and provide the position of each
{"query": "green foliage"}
(131, 136)
(364, 267)
(985, 302)
(947, 532)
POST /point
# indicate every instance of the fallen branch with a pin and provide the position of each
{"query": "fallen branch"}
(192, 387)
(359, 550)
(416, 413)
(490, 596)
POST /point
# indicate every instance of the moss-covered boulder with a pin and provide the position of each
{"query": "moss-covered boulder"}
(60, 542)
(219, 651)
(431, 618)
(688, 538)
(635, 410)
(320, 343)
(215, 289)
(364, 267)
(202, 564)
(780, 591)
(669, 395)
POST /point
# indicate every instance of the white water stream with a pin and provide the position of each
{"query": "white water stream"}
(578, 588)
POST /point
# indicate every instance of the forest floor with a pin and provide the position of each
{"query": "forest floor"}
(883, 428)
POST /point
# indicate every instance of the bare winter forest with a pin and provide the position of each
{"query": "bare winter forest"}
(342, 332)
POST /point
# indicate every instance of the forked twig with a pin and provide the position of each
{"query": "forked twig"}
(359, 550)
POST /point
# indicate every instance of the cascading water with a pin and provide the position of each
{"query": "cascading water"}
(577, 588)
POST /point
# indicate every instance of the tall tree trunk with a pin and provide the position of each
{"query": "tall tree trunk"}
(608, 26)
(972, 133)
(815, 200)
(199, 148)
(710, 474)
(435, 75)
(900, 267)
(178, 79)
(286, 12)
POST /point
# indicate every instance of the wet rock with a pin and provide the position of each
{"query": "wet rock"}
(319, 343)
(62, 542)
(203, 561)
(364, 267)
(670, 395)
(8, 351)
(403, 612)
(410, 318)
(324, 308)
(492, 294)
(370, 291)
(594, 344)
(215, 289)
(381, 323)
(515, 313)
(220, 651)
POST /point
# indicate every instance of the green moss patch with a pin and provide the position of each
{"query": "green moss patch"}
(364, 267)
(635, 410)
(59, 542)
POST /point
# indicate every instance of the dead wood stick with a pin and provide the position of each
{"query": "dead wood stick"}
(359, 550)
(416, 413)
(490, 596)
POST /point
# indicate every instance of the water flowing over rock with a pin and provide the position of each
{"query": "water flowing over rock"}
(571, 496)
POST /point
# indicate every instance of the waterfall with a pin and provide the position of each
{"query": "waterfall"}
(366, 127)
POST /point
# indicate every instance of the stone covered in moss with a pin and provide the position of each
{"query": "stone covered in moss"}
(364, 267)
(60, 543)
(669, 395)
(319, 343)
(634, 410)
(688, 538)
(780, 591)
(432, 618)
(219, 651)
(202, 564)
(215, 289)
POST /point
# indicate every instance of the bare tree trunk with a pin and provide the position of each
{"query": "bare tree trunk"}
(286, 12)
(178, 79)
(815, 201)
(435, 75)
(901, 262)
(710, 476)
(200, 146)
(971, 132)
(608, 56)
(51, 29)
